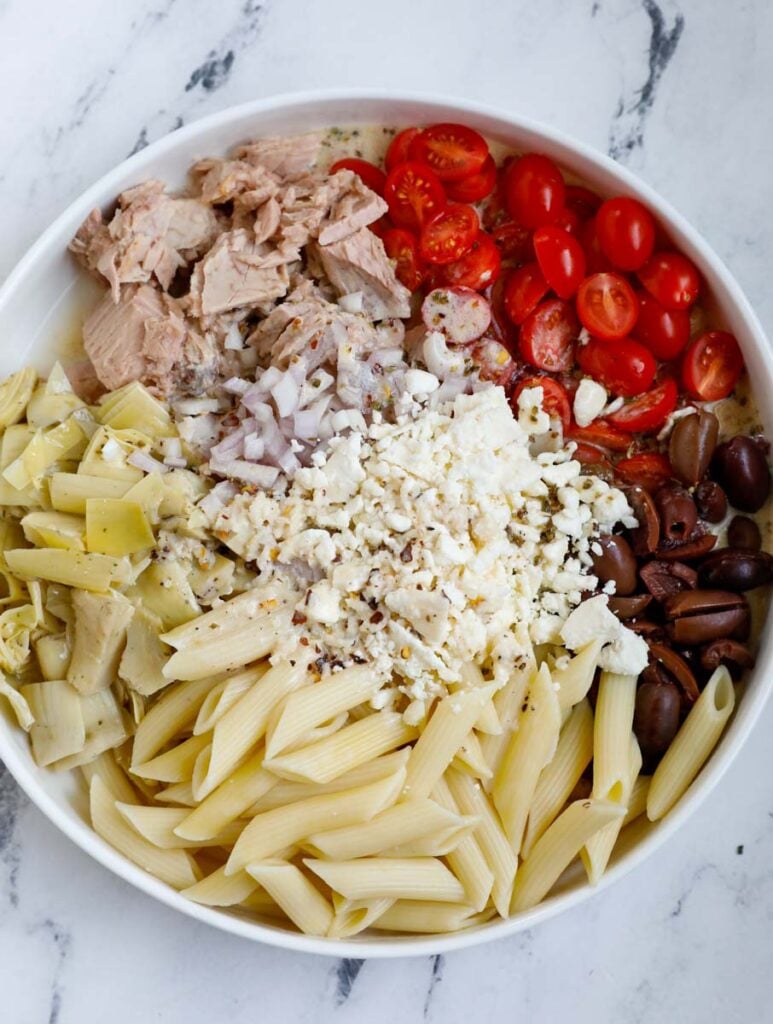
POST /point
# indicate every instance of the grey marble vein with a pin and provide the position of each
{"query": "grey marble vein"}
(627, 132)
(346, 973)
(62, 941)
(438, 965)
(11, 802)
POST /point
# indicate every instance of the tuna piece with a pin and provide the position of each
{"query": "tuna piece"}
(150, 235)
(359, 263)
(144, 337)
(237, 271)
(222, 181)
(288, 157)
(353, 206)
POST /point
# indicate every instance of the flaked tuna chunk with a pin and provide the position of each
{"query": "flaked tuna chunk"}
(353, 206)
(223, 181)
(309, 326)
(359, 263)
(288, 157)
(237, 271)
(151, 234)
(142, 337)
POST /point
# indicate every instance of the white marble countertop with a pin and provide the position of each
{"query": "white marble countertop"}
(681, 91)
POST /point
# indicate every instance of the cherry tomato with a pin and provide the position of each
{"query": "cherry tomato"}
(595, 260)
(493, 360)
(555, 401)
(449, 235)
(524, 289)
(548, 335)
(624, 367)
(590, 455)
(672, 279)
(560, 259)
(607, 306)
(570, 222)
(453, 151)
(381, 226)
(414, 195)
(626, 232)
(712, 365)
(478, 268)
(600, 433)
(476, 186)
(373, 177)
(649, 411)
(581, 200)
(403, 247)
(501, 327)
(665, 332)
(534, 190)
(397, 152)
(513, 241)
(647, 469)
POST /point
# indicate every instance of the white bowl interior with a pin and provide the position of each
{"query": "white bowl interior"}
(41, 308)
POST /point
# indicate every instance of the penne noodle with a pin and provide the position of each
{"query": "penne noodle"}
(466, 860)
(353, 916)
(557, 848)
(422, 916)
(494, 844)
(529, 750)
(488, 719)
(179, 793)
(692, 745)
(157, 825)
(175, 765)
(224, 651)
(229, 801)
(173, 712)
(612, 725)
(507, 703)
(469, 757)
(319, 703)
(294, 893)
(637, 802)
(597, 851)
(222, 697)
(273, 830)
(175, 867)
(448, 726)
(418, 878)
(353, 745)
(112, 775)
(558, 779)
(575, 679)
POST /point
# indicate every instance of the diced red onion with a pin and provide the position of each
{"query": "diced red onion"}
(233, 340)
(286, 393)
(196, 406)
(236, 386)
(254, 447)
(251, 472)
(145, 462)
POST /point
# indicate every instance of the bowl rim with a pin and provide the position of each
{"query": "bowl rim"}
(83, 836)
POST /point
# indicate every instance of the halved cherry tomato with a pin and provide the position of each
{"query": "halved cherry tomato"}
(607, 306)
(595, 260)
(524, 289)
(712, 365)
(665, 332)
(672, 279)
(513, 241)
(581, 200)
(493, 360)
(626, 232)
(591, 455)
(602, 434)
(647, 469)
(624, 367)
(478, 268)
(561, 259)
(373, 177)
(403, 247)
(414, 195)
(535, 190)
(381, 226)
(449, 235)
(548, 335)
(476, 186)
(502, 327)
(453, 151)
(397, 151)
(649, 411)
(555, 401)
(570, 222)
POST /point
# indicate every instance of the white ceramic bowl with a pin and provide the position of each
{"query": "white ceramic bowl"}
(40, 308)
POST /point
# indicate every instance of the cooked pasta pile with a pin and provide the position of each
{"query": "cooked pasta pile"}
(264, 786)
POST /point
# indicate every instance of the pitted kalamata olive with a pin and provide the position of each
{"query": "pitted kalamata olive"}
(698, 616)
(644, 538)
(737, 657)
(711, 501)
(692, 444)
(678, 514)
(663, 579)
(616, 562)
(678, 668)
(629, 607)
(696, 547)
(744, 533)
(656, 719)
(736, 569)
(740, 467)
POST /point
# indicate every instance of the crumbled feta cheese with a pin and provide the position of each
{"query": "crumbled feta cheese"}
(589, 399)
(420, 382)
(531, 417)
(624, 651)
(323, 603)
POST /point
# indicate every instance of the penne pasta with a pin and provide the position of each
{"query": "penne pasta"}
(225, 694)
(557, 848)
(294, 893)
(691, 746)
(597, 851)
(353, 745)
(507, 703)
(229, 801)
(157, 825)
(470, 758)
(224, 651)
(466, 860)
(175, 765)
(220, 890)
(575, 679)
(353, 916)
(173, 712)
(112, 775)
(558, 779)
(637, 802)
(612, 725)
(529, 750)
(422, 916)
(417, 878)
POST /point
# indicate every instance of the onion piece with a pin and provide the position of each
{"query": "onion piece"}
(196, 406)
(145, 462)
(286, 393)
(236, 386)
(250, 472)
(254, 448)
(233, 340)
